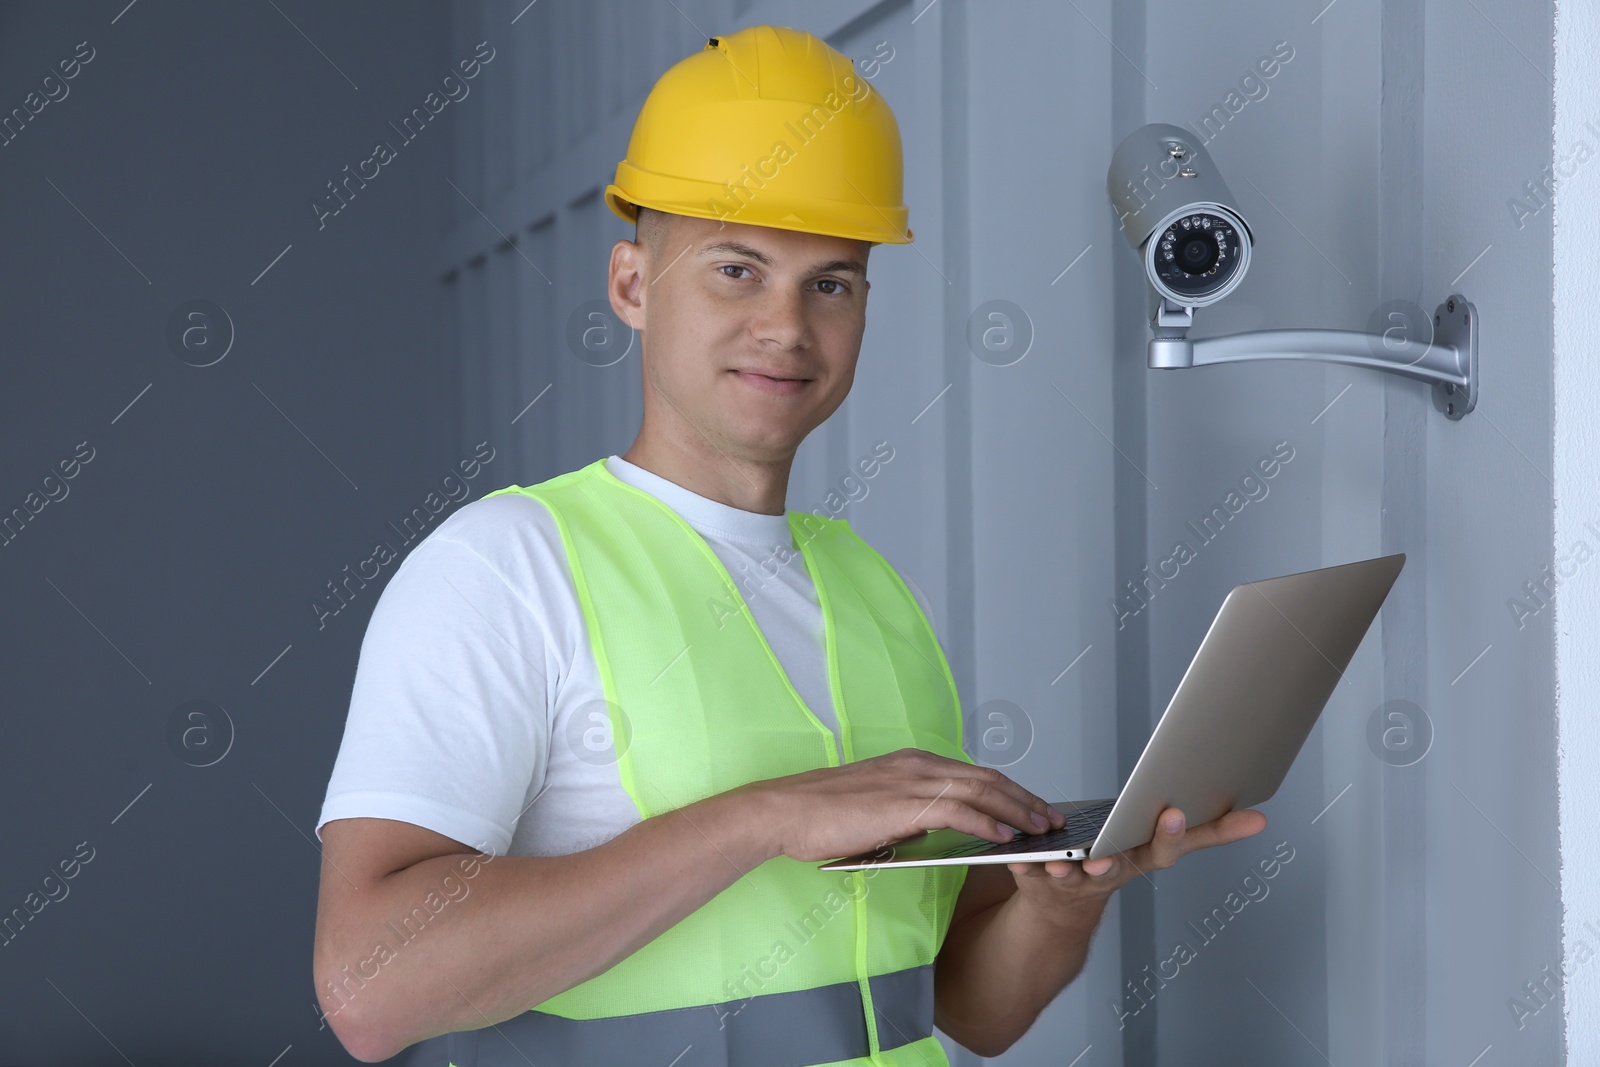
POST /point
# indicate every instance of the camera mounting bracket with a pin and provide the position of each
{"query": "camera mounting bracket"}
(1448, 362)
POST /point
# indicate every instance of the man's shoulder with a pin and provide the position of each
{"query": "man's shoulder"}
(501, 529)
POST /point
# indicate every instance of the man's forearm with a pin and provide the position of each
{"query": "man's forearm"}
(999, 969)
(525, 929)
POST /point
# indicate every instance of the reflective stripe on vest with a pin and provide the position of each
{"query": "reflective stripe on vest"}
(808, 1026)
(697, 704)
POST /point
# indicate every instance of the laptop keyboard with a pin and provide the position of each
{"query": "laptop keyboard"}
(1082, 825)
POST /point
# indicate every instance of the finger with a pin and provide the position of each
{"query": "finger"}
(1238, 825)
(1003, 788)
(1099, 869)
(1054, 869)
(959, 815)
(1150, 855)
(1168, 845)
(1033, 872)
(936, 788)
(1169, 840)
(1228, 828)
(975, 806)
(992, 792)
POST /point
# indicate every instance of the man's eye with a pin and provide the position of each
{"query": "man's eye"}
(732, 266)
(842, 288)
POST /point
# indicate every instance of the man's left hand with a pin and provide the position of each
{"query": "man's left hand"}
(1059, 889)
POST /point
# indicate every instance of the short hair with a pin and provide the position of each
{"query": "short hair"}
(650, 229)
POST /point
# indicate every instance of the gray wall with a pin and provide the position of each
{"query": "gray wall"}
(182, 562)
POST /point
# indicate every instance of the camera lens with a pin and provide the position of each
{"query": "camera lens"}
(1197, 255)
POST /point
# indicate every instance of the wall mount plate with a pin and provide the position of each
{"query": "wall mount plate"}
(1455, 325)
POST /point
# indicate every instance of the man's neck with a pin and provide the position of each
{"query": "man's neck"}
(748, 485)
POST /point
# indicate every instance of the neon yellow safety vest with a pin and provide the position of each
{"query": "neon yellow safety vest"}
(789, 966)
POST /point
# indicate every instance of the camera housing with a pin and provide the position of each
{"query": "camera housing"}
(1177, 212)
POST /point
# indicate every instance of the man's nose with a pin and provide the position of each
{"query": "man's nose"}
(781, 317)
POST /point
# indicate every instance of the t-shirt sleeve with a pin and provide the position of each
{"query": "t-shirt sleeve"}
(447, 727)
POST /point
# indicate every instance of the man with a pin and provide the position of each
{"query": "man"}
(588, 775)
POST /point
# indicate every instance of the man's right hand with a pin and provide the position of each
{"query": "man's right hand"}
(830, 812)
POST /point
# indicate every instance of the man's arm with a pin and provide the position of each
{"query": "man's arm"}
(512, 933)
(1011, 949)
(1000, 965)
(520, 929)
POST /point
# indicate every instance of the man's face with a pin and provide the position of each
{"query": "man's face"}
(749, 334)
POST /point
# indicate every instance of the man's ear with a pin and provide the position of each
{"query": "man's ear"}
(625, 282)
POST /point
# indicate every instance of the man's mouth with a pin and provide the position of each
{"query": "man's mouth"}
(771, 383)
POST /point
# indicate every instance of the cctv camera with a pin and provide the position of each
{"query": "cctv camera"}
(1177, 213)
(1175, 210)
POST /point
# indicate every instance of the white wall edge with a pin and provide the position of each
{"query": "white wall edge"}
(1576, 219)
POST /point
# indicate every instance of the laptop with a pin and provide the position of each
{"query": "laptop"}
(1244, 707)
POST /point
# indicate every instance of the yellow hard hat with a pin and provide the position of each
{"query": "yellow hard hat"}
(767, 127)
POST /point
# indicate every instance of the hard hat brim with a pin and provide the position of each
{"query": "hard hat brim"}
(829, 219)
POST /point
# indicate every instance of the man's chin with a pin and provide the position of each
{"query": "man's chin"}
(765, 443)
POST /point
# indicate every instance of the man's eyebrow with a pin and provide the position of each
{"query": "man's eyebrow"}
(740, 249)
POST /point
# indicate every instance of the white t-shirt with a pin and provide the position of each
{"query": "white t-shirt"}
(476, 699)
